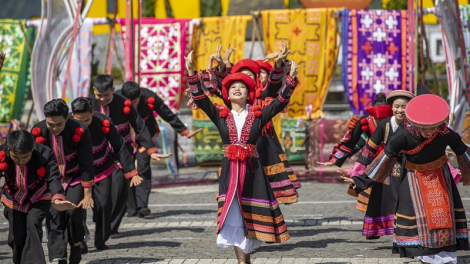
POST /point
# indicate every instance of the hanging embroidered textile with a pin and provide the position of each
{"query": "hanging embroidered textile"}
(163, 45)
(374, 55)
(455, 47)
(15, 74)
(311, 35)
(218, 30)
(78, 84)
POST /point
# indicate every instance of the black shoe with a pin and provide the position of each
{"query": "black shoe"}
(372, 237)
(75, 255)
(116, 235)
(102, 247)
(144, 212)
(63, 261)
(83, 248)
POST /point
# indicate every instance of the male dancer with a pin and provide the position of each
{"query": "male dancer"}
(71, 143)
(32, 182)
(129, 124)
(146, 102)
(105, 135)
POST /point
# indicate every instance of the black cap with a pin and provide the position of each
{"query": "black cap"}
(421, 89)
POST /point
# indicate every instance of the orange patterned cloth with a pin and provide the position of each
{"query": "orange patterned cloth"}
(218, 30)
(311, 37)
(436, 201)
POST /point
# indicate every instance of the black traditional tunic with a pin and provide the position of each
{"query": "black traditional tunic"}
(430, 217)
(280, 174)
(242, 178)
(27, 195)
(380, 213)
(73, 152)
(150, 102)
(359, 131)
(125, 117)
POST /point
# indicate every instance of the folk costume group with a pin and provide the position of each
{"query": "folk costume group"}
(84, 159)
(404, 165)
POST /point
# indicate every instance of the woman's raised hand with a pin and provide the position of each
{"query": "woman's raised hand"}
(294, 69)
(282, 56)
(227, 54)
(189, 63)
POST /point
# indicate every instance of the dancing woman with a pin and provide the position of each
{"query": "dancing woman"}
(430, 221)
(248, 210)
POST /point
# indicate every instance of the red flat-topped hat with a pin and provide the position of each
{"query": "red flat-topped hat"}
(427, 111)
(241, 77)
(399, 93)
(248, 64)
(380, 111)
(265, 65)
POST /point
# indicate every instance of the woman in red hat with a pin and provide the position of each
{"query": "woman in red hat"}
(282, 178)
(381, 208)
(430, 221)
(248, 212)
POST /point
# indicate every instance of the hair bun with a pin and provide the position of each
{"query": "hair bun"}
(380, 99)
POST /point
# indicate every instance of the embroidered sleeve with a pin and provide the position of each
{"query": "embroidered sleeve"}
(201, 100)
(120, 149)
(88, 184)
(53, 175)
(381, 168)
(130, 174)
(347, 145)
(274, 83)
(58, 196)
(85, 159)
(287, 89)
(166, 114)
(142, 133)
(463, 155)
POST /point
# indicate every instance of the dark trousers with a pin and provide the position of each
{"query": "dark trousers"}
(102, 211)
(66, 227)
(139, 195)
(118, 198)
(25, 233)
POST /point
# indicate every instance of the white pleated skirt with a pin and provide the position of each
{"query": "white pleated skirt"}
(232, 233)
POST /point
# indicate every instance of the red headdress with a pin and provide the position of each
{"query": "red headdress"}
(427, 111)
(380, 111)
(250, 83)
(247, 64)
(265, 65)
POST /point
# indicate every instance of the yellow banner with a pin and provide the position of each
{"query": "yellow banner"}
(311, 35)
(219, 30)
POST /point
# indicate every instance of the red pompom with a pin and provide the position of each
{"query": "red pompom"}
(151, 100)
(223, 113)
(41, 172)
(363, 121)
(105, 123)
(258, 114)
(3, 155)
(258, 93)
(256, 108)
(127, 103)
(365, 128)
(126, 110)
(3, 166)
(150, 106)
(40, 140)
(105, 130)
(36, 131)
(76, 138)
(79, 131)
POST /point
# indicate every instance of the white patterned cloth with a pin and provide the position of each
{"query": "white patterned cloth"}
(441, 258)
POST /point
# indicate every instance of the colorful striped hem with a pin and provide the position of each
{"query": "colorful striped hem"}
(270, 238)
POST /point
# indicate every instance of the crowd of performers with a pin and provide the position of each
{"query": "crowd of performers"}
(86, 158)
(402, 177)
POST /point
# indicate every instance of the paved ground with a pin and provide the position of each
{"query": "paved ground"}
(324, 228)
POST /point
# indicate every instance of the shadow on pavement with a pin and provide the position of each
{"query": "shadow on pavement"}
(149, 231)
(143, 260)
(180, 212)
(142, 244)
